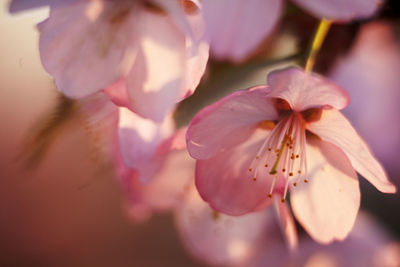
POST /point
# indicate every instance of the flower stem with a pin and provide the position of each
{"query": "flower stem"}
(318, 39)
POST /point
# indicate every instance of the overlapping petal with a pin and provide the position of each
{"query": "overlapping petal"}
(342, 10)
(156, 81)
(327, 205)
(303, 90)
(235, 28)
(336, 129)
(225, 182)
(228, 122)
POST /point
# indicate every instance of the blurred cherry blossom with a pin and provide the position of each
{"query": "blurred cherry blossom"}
(368, 244)
(146, 55)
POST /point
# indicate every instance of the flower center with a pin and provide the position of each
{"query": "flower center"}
(283, 153)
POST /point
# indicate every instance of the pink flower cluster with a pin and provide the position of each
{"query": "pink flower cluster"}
(131, 62)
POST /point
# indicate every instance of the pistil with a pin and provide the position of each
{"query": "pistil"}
(285, 147)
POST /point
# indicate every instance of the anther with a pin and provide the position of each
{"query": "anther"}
(257, 157)
(283, 170)
(270, 195)
(269, 149)
(283, 200)
(255, 179)
(250, 169)
(266, 165)
(297, 156)
(299, 171)
(305, 180)
(291, 174)
(294, 184)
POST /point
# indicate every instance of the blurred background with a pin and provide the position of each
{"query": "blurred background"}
(69, 211)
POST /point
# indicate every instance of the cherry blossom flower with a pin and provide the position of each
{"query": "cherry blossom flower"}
(262, 142)
(235, 29)
(146, 55)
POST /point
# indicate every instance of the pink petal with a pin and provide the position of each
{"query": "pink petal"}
(226, 183)
(376, 51)
(149, 169)
(340, 9)
(176, 142)
(139, 138)
(235, 29)
(336, 129)
(217, 238)
(228, 122)
(87, 45)
(169, 185)
(287, 223)
(118, 93)
(197, 50)
(196, 47)
(327, 205)
(304, 90)
(156, 81)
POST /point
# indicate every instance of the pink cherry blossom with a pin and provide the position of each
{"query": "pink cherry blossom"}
(376, 50)
(235, 28)
(265, 141)
(146, 55)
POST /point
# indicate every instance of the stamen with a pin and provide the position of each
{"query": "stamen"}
(272, 187)
(284, 145)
